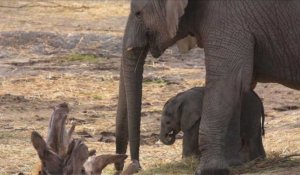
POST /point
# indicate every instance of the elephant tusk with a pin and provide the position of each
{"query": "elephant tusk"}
(129, 49)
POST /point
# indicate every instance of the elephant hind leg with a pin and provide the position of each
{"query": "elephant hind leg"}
(256, 148)
(252, 149)
(245, 150)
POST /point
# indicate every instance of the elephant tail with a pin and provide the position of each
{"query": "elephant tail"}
(262, 119)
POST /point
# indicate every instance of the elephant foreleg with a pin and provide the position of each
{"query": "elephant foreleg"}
(256, 148)
(229, 74)
(214, 126)
(233, 139)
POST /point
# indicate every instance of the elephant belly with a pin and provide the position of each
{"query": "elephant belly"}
(277, 41)
(277, 57)
(287, 74)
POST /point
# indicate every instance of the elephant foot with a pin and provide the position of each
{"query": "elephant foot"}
(212, 172)
(234, 158)
(118, 173)
(132, 168)
(215, 165)
(234, 161)
(119, 166)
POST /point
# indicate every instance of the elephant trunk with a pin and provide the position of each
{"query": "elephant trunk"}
(121, 122)
(167, 138)
(135, 49)
(133, 63)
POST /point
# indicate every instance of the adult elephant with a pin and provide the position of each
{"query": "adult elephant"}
(245, 41)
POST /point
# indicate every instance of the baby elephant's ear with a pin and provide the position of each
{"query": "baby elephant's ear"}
(174, 10)
(188, 120)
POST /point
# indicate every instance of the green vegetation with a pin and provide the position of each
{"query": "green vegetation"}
(6, 135)
(97, 97)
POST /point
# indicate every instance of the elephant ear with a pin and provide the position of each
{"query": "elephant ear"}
(178, 110)
(174, 10)
(188, 120)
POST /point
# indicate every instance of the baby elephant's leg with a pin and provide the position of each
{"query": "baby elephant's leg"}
(252, 148)
(256, 148)
(251, 127)
(190, 142)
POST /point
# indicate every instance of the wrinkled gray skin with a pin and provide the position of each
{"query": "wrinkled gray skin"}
(245, 41)
(182, 112)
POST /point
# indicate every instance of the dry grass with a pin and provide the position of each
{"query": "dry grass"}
(80, 90)
(89, 89)
(62, 86)
(60, 16)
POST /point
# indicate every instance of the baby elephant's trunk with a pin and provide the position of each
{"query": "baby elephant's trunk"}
(167, 137)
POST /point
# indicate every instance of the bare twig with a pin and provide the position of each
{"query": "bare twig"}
(287, 157)
(265, 163)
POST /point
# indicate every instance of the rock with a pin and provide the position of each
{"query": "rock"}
(13, 98)
(84, 134)
(173, 79)
(107, 137)
(38, 118)
(149, 139)
(3, 54)
(286, 108)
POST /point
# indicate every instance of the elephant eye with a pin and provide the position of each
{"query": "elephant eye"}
(168, 122)
(138, 14)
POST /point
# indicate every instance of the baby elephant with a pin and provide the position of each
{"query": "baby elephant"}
(183, 112)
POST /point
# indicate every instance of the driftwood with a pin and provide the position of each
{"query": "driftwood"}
(61, 154)
(51, 162)
(58, 138)
(95, 164)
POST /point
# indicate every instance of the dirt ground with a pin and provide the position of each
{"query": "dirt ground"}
(69, 51)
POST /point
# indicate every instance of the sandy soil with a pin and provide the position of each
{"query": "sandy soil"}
(70, 51)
